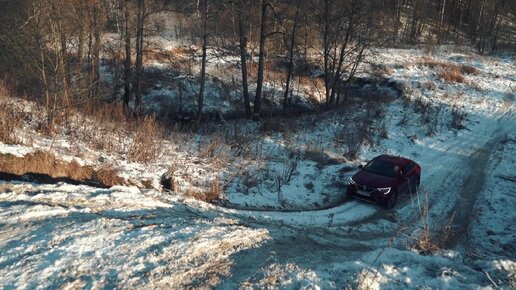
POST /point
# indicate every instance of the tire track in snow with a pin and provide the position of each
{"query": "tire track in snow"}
(473, 185)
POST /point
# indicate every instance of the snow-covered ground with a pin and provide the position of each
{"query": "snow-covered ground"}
(283, 220)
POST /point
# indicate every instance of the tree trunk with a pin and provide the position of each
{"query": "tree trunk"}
(326, 51)
(441, 36)
(139, 56)
(63, 59)
(398, 5)
(261, 59)
(243, 58)
(290, 60)
(127, 62)
(96, 50)
(200, 101)
(80, 56)
(479, 21)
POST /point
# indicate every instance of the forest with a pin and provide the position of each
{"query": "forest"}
(59, 51)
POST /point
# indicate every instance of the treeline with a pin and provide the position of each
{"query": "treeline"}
(55, 49)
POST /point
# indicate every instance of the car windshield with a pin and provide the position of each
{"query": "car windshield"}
(382, 168)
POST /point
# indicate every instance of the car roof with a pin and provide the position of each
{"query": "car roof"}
(395, 160)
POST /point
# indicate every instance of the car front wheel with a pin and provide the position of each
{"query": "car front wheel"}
(391, 201)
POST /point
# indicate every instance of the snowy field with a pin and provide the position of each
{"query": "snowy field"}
(290, 225)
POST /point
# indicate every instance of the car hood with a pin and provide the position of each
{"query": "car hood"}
(364, 177)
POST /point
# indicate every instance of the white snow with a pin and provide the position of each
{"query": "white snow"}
(283, 222)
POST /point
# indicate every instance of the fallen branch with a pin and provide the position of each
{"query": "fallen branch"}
(490, 279)
(507, 177)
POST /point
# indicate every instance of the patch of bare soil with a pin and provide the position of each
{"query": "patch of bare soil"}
(44, 167)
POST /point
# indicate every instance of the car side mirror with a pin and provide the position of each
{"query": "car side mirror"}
(360, 166)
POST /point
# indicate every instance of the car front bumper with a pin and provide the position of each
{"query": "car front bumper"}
(368, 195)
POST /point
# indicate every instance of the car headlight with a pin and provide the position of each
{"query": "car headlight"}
(384, 190)
(351, 181)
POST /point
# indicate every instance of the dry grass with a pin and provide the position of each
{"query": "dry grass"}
(382, 70)
(450, 72)
(209, 149)
(104, 128)
(111, 129)
(215, 149)
(215, 190)
(148, 184)
(10, 123)
(146, 143)
(451, 75)
(467, 69)
(315, 87)
(107, 176)
(206, 196)
(10, 119)
(271, 72)
(183, 50)
(171, 55)
(429, 240)
(45, 163)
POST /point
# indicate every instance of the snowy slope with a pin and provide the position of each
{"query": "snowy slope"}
(289, 231)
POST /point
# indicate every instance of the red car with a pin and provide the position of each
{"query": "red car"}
(384, 178)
